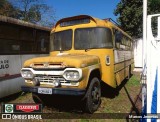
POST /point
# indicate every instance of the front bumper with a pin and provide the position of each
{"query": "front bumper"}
(56, 91)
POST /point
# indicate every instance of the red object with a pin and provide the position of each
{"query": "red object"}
(27, 108)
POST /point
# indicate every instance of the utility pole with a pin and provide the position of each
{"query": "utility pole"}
(144, 55)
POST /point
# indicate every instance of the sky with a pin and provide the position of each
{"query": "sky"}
(97, 8)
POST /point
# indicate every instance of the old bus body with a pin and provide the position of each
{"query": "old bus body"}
(84, 51)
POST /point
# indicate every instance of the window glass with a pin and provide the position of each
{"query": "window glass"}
(28, 47)
(26, 34)
(118, 37)
(9, 31)
(15, 39)
(61, 40)
(9, 46)
(87, 38)
(42, 41)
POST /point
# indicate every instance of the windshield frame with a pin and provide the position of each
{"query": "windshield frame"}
(94, 47)
(51, 39)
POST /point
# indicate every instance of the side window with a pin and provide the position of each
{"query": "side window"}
(16, 39)
(121, 40)
(128, 44)
(118, 38)
(124, 40)
(9, 42)
(9, 46)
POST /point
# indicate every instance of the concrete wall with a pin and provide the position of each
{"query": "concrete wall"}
(138, 53)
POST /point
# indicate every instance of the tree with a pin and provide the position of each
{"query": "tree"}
(153, 6)
(7, 9)
(34, 11)
(130, 14)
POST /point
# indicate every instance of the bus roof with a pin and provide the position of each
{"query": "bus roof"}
(75, 18)
(22, 23)
(83, 17)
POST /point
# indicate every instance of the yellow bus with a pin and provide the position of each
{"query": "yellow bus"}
(84, 52)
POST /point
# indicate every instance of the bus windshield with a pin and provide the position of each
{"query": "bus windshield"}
(61, 41)
(90, 38)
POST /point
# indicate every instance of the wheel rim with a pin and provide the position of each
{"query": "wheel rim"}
(95, 94)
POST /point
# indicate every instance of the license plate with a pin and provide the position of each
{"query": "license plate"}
(44, 90)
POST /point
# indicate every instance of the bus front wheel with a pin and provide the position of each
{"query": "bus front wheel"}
(93, 96)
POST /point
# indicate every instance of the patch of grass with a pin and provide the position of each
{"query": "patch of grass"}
(122, 102)
(134, 81)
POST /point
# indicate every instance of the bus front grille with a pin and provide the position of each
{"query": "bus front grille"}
(50, 79)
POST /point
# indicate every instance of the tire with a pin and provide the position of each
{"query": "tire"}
(93, 96)
(38, 98)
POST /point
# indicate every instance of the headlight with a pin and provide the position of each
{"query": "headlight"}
(71, 75)
(27, 74)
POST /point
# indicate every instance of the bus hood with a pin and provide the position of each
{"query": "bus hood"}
(69, 60)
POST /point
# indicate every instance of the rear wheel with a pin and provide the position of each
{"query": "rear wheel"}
(93, 96)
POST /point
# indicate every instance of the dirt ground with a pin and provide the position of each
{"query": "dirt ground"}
(116, 103)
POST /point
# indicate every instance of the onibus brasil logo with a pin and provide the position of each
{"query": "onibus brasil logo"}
(8, 108)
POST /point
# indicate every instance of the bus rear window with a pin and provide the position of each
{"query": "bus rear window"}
(87, 38)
